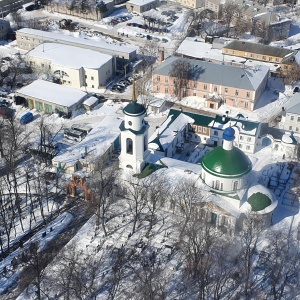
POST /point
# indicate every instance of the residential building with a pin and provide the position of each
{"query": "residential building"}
(290, 120)
(215, 6)
(84, 68)
(283, 57)
(29, 39)
(238, 87)
(141, 6)
(91, 12)
(51, 98)
(191, 3)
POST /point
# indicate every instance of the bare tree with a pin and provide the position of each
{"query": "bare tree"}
(292, 75)
(229, 11)
(180, 74)
(103, 188)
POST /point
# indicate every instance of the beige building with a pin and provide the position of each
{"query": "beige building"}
(235, 86)
(191, 3)
(73, 66)
(141, 6)
(51, 97)
(254, 51)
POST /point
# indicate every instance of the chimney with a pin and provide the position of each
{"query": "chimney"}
(161, 56)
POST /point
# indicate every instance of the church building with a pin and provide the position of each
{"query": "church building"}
(226, 168)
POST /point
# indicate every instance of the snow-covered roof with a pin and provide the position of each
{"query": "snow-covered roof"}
(168, 130)
(90, 101)
(52, 92)
(67, 38)
(140, 2)
(293, 106)
(237, 77)
(70, 56)
(96, 143)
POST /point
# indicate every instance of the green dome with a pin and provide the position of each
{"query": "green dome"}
(134, 109)
(226, 163)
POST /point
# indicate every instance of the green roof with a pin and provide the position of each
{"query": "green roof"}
(199, 119)
(134, 109)
(232, 163)
(259, 201)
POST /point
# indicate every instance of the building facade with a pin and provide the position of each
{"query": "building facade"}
(239, 88)
(84, 68)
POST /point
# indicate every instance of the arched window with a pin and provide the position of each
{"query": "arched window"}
(129, 167)
(235, 185)
(129, 146)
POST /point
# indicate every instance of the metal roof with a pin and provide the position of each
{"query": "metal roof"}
(207, 72)
(258, 48)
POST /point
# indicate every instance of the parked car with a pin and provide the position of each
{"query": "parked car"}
(164, 40)
(6, 112)
(28, 117)
(296, 89)
(149, 37)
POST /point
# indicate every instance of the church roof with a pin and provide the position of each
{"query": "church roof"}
(232, 163)
(134, 109)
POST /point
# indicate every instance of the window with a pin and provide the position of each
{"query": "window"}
(85, 76)
(298, 119)
(204, 130)
(157, 88)
(264, 57)
(240, 146)
(246, 54)
(270, 58)
(211, 105)
(290, 127)
(215, 89)
(129, 146)
(205, 86)
(166, 79)
(233, 52)
(158, 78)
(194, 94)
(258, 56)
(92, 78)
(216, 132)
(235, 185)
(195, 84)
(251, 55)
(297, 128)
(248, 94)
(241, 138)
(226, 90)
(166, 90)
(277, 59)
(292, 118)
(247, 147)
(246, 104)
(249, 139)
(93, 86)
(226, 51)
(217, 187)
(236, 92)
(199, 129)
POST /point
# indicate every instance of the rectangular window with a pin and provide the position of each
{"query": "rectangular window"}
(277, 59)
(292, 118)
(204, 130)
(248, 147)
(264, 57)
(166, 90)
(194, 94)
(233, 52)
(251, 55)
(245, 54)
(195, 84)
(199, 128)
(226, 90)
(215, 89)
(216, 132)
(226, 51)
(158, 78)
(298, 119)
(166, 79)
(297, 128)
(205, 86)
(248, 94)
(241, 138)
(240, 146)
(290, 128)
(249, 139)
(236, 92)
(92, 78)
(157, 88)
(270, 58)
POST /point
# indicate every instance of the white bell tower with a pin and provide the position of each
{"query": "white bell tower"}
(134, 136)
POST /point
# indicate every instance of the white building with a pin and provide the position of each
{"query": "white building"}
(51, 97)
(73, 66)
(98, 146)
(28, 39)
(134, 136)
(290, 120)
(141, 6)
(226, 168)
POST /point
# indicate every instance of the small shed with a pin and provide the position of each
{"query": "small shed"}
(156, 105)
(90, 103)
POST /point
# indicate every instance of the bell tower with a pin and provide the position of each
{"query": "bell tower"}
(134, 136)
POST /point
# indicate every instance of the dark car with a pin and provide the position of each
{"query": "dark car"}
(149, 37)
(296, 89)
(6, 113)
